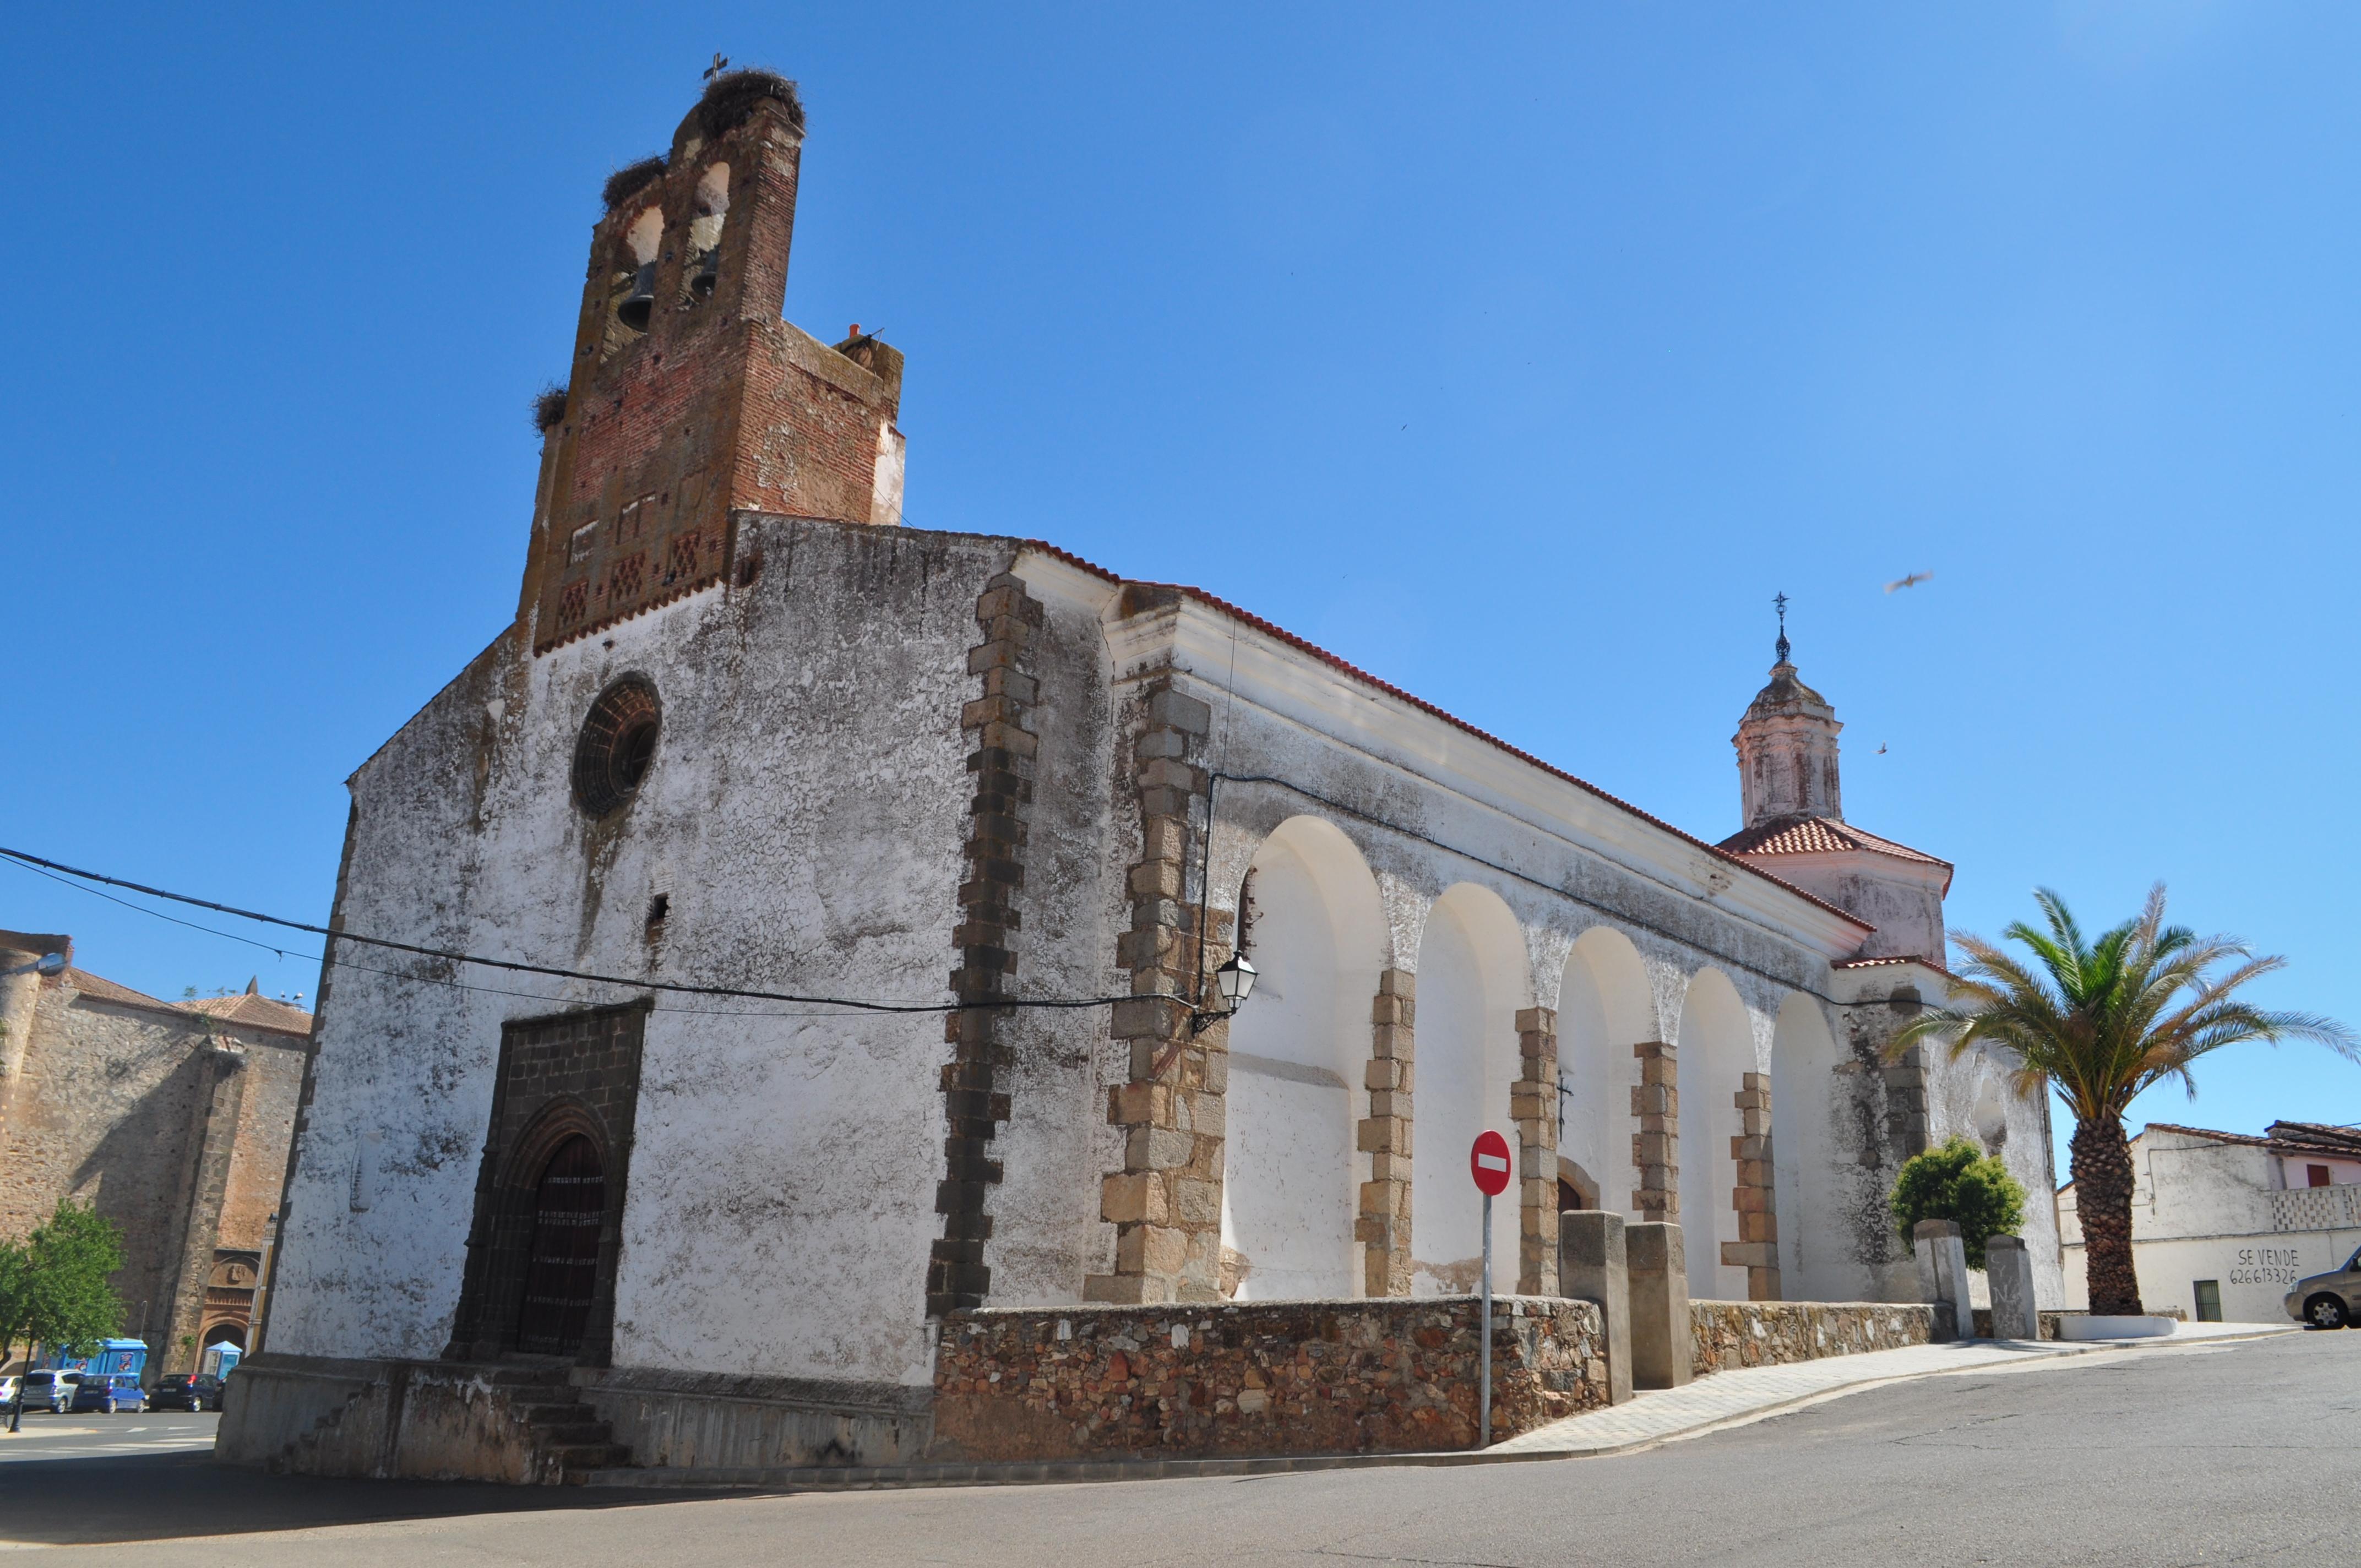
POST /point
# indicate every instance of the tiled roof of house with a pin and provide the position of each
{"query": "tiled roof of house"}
(105, 990)
(2286, 1137)
(252, 1008)
(1280, 632)
(2319, 1138)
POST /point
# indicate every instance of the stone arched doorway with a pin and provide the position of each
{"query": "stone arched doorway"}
(541, 1255)
(561, 1279)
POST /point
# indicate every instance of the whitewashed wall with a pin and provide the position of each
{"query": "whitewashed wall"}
(806, 812)
(2202, 1208)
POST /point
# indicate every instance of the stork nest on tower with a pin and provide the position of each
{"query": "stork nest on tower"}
(548, 406)
(630, 180)
(732, 96)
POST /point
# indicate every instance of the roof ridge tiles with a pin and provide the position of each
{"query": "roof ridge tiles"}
(1305, 645)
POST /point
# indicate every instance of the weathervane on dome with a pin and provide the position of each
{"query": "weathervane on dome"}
(1779, 601)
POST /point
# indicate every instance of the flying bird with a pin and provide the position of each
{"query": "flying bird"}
(1881, 750)
(1911, 581)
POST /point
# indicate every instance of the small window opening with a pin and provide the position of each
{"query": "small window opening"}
(659, 910)
(2317, 1176)
(643, 242)
(2209, 1301)
(704, 269)
(634, 752)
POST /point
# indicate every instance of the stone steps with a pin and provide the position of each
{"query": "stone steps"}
(565, 1434)
(563, 1428)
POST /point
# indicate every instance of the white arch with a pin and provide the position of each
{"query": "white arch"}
(1604, 1008)
(1473, 975)
(1291, 1175)
(1818, 1257)
(1716, 1051)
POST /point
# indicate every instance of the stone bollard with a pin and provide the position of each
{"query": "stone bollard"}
(1663, 1343)
(1943, 1274)
(2008, 1267)
(1592, 1266)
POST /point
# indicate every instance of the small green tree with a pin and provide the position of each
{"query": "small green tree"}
(1960, 1182)
(53, 1285)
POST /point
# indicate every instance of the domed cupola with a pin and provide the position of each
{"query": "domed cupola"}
(1787, 748)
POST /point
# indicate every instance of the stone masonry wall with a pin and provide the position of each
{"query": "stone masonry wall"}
(1347, 1376)
(1726, 1335)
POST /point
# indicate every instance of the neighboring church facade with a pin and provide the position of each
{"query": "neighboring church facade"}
(747, 733)
(172, 1119)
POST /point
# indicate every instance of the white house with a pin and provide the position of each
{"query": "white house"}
(2222, 1224)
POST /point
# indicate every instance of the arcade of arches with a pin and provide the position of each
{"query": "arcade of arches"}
(1356, 1084)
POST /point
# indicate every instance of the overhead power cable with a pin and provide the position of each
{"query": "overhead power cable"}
(518, 966)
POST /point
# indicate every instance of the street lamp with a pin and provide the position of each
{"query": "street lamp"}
(1235, 981)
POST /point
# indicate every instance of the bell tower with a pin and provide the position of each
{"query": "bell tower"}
(1787, 747)
(690, 401)
(1796, 828)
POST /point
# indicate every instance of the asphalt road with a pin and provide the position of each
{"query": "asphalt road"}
(2228, 1453)
(97, 1435)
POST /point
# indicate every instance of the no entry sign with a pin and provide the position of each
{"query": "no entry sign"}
(1490, 1162)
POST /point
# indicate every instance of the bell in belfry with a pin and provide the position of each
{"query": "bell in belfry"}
(640, 302)
(708, 272)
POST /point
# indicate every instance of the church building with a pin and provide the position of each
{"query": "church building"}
(904, 878)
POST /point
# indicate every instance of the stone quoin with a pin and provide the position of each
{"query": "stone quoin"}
(974, 773)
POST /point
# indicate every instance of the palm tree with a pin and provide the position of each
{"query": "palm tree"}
(2100, 1020)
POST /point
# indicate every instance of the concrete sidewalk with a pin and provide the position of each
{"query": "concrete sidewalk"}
(1725, 1399)
(1750, 1393)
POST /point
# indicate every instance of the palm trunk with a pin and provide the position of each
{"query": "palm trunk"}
(2103, 1201)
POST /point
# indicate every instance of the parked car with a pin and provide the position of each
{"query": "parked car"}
(110, 1392)
(8, 1389)
(185, 1391)
(50, 1391)
(2329, 1300)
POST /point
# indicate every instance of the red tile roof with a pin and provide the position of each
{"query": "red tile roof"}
(1282, 634)
(1921, 962)
(1819, 836)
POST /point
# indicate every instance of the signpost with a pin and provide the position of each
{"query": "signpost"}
(1491, 1163)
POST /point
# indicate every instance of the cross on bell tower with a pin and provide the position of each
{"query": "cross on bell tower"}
(1787, 745)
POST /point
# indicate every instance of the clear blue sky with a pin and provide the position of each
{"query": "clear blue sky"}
(1517, 356)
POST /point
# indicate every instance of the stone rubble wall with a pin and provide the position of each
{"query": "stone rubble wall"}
(1342, 1377)
(1725, 1335)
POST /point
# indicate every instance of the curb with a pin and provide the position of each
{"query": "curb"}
(883, 1477)
(894, 1477)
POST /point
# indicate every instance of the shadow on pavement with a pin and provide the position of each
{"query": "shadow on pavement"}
(106, 1499)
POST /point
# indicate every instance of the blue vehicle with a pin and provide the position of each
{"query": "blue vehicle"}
(107, 1379)
(109, 1392)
